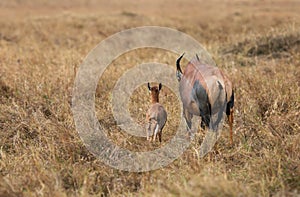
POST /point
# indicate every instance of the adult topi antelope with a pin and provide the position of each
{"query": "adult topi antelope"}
(156, 116)
(205, 91)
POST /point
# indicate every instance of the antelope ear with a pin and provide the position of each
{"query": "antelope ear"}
(149, 86)
(159, 87)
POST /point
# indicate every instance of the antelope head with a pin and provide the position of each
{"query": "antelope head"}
(154, 91)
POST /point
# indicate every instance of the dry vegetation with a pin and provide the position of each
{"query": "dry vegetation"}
(257, 43)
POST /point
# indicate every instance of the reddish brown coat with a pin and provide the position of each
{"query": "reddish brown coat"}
(204, 90)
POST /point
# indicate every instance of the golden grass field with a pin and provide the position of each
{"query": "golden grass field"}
(42, 44)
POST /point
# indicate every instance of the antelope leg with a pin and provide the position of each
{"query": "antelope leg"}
(230, 120)
(159, 136)
(188, 119)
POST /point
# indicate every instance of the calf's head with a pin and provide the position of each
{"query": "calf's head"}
(154, 91)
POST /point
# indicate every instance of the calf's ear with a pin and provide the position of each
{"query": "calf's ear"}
(149, 88)
(159, 87)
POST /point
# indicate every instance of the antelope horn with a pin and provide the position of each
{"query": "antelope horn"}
(178, 63)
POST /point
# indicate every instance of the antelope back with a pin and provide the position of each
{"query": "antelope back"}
(158, 113)
(208, 77)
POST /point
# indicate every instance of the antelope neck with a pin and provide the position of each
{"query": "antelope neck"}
(154, 99)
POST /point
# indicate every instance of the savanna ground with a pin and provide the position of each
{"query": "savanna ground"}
(42, 44)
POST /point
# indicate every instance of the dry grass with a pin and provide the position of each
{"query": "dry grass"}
(255, 42)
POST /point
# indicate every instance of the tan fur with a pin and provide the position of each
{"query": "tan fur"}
(156, 116)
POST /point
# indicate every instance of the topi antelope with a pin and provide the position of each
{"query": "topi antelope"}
(156, 116)
(204, 90)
